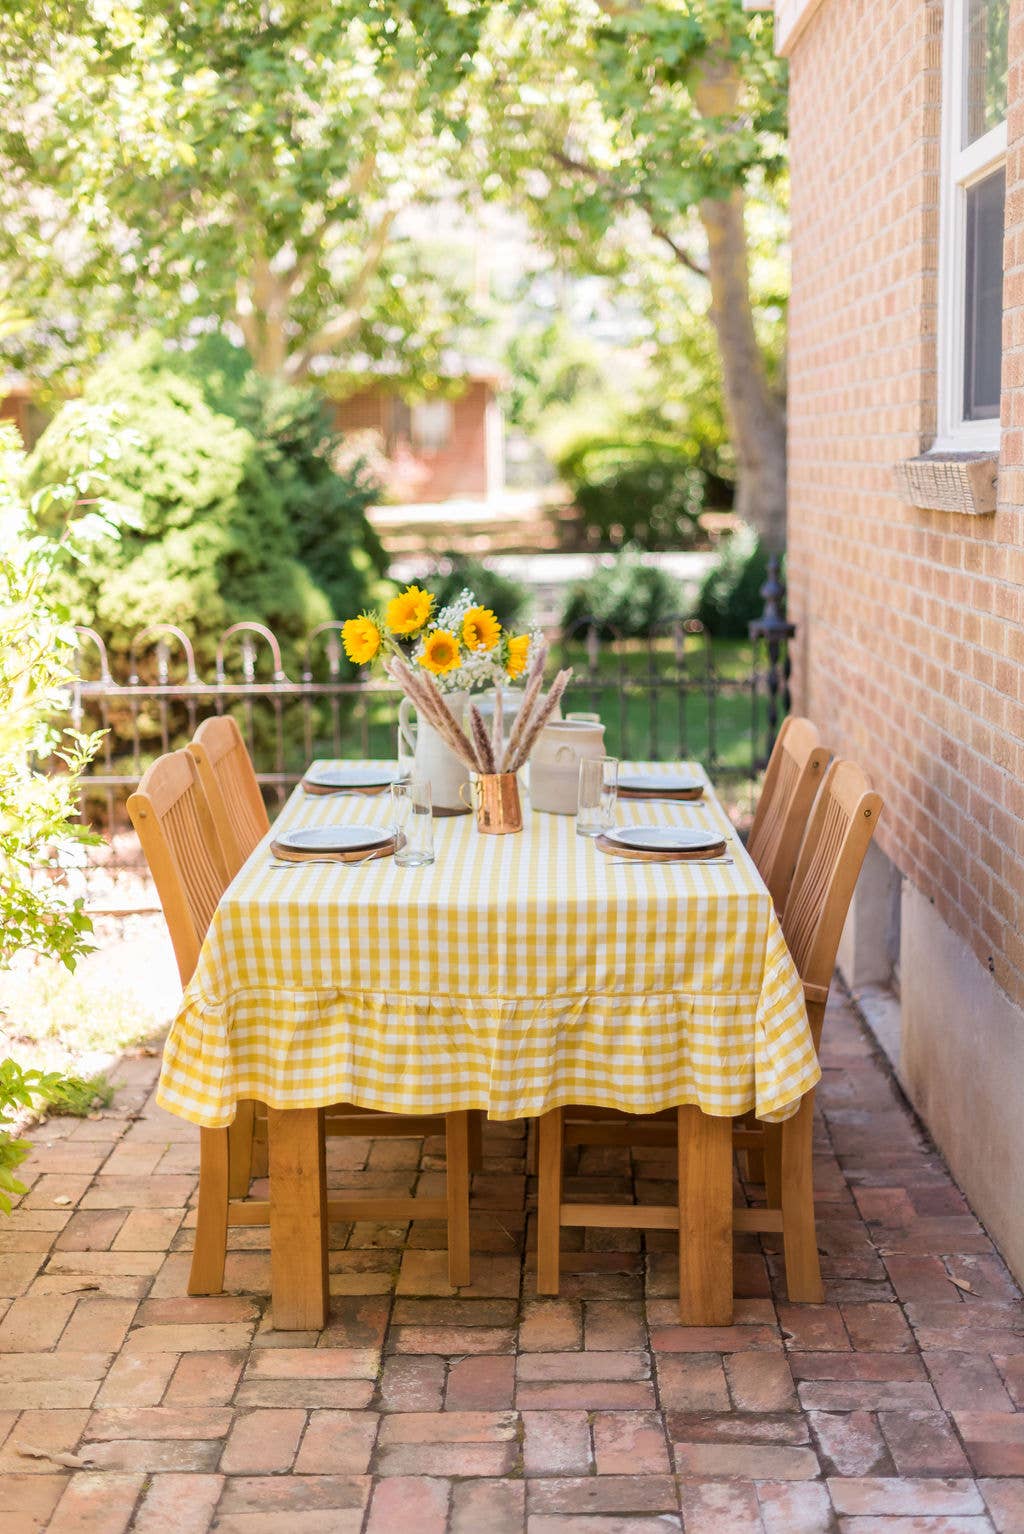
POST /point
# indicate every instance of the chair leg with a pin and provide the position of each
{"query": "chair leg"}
(531, 1148)
(476, 1133)
(753, 1159)
(240, 1149)
(298, 1218)
(206, 1275)
(457, 1139)
(705, 1219)
(773, 1165)
(549, 1200)
(259, 1165)
(799, 1238)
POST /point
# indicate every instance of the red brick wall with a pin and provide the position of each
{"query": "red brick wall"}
(458, 469)
(910, 641)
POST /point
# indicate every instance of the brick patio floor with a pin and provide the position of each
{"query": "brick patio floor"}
(895, 1408)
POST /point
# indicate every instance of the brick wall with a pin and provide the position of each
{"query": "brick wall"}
(910, 639)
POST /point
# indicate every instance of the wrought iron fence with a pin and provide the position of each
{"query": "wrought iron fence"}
(674, 695)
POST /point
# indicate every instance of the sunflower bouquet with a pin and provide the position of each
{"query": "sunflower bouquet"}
(463, 646)
(460, 648)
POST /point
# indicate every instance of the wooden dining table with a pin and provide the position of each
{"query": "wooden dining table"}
(515, 974)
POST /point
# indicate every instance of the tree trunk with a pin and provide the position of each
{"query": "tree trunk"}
(756, 417)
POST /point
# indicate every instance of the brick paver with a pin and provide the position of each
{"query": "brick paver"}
(896, 1407)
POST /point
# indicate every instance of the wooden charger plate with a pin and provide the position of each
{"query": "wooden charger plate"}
(357, 854)
(661, 793)
(663, 855)
(327, 788)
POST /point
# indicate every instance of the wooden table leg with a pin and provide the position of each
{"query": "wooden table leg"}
(457, 1143)
(549, 1200)
(207, 1272)
(298, 1219)
(705, 1219)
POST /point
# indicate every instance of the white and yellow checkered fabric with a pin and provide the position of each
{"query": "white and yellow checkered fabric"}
(516, 974)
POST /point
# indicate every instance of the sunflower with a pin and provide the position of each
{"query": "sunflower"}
(440, 652)
(361, 639)
(406, 614)
(480, 629)
(518, 650)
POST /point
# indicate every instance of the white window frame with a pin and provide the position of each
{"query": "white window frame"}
(961, 168)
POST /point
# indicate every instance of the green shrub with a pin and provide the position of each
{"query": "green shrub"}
(325, 507)
(628, 598)
(213, 543)
(645, 493)
(506, 597)
(38, 835)
(730, 597)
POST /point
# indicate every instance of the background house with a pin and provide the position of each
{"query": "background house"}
(447, 446)
(906, 527)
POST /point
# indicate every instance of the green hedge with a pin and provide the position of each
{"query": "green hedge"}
(238, 512)
(730, 597)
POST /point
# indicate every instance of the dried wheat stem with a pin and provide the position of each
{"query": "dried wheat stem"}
(498, 730)
(538, 719)
(478, 734)
(534, 683)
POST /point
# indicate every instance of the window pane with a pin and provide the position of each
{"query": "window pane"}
(984, 306)
(986, 55)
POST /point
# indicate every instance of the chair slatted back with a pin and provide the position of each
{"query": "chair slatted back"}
(170, 813)
(838, 834)
(229, 782)
(793, 777)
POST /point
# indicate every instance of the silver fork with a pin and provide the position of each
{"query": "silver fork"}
(320, 862)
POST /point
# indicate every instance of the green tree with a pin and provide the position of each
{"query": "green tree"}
(177, 164)
(624, 126)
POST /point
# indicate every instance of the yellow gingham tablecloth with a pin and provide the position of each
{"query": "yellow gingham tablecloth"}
(516, 974)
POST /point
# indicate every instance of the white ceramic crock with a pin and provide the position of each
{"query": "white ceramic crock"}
(555, 763)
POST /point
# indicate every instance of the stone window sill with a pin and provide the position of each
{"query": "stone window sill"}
(964, 483)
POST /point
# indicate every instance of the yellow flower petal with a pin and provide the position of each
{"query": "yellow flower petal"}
(480, 629)
(407, 613)
(518, 651)
(441, 652)
(361, 640)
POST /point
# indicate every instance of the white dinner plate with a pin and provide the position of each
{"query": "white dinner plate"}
(659, 783)
(666, 838)
(333, 838)
(344, 776)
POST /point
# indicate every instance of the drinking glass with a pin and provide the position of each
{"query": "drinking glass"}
(413, 819)
(599, 786)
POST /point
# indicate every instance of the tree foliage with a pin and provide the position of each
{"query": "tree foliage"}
(182, 164)
(631, 129)
(40, 535)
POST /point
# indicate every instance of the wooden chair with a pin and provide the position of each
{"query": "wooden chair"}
(793, 777)
(175, 826)
(231, 789)
(841, 827)
(233, 793)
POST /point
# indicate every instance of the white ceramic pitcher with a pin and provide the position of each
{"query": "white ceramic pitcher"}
(432, 758)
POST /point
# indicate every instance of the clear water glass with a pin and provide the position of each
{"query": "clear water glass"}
(599, 787)
(413, 820)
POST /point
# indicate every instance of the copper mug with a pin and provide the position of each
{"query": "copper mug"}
(495, 797)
